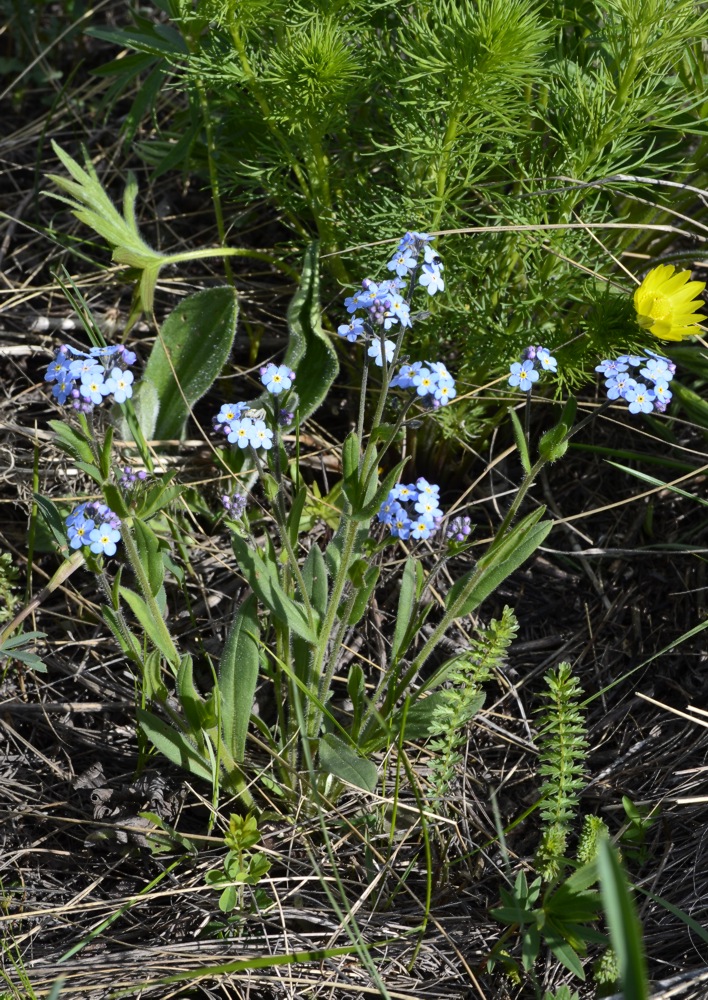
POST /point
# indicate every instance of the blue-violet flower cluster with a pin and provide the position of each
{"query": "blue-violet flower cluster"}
(432, 382)
(645, 387)
(383, 302)
(458, 529)
(413, 510)
(523, 374)
(234, 504)
(86, 378)
(241, 430)
(94, 524)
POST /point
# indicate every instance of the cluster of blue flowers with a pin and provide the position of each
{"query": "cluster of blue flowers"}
(86, 378)
(523, 374)
(432, 382)
(234, 504)
(644, 390)
(412, 511)
(383, 302)
(131, 480)
(459, 528)
(245, 427)
(386, 306)
(94, 524)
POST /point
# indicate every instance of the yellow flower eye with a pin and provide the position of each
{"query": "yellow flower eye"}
(667, 303)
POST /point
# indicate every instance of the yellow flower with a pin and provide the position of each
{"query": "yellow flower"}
(666, 303)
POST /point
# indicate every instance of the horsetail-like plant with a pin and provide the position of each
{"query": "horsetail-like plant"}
(464, 698)
(563, 743)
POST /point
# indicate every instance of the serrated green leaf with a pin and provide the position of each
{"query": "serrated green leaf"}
(194, 344)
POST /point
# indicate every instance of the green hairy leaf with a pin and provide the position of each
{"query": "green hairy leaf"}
(173, 744)
(310, 352)
(193, 346)
(341, 760)
(238, 676)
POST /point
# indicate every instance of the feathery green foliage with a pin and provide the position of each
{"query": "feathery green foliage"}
(464, 698)
(358, 118)
(563, 750)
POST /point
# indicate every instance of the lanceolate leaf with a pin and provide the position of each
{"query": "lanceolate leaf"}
(341, 760)
(193, 346)
(500, 562)
(173, 744)
(310, 352)
(238, 675)
(263, 578)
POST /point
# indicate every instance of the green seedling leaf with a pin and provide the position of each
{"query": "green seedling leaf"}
(142, 612)
(173, 744)
(314, 572)
(72, 442)
(20, 640)
(262, 575)
(406, 607)
(521, 443)
(52, 518)
(192, 348)
(238, 676)
(310, 352)
(150, 552)
(344, 762)
(92, 206)
(228, 899)
(499, 562)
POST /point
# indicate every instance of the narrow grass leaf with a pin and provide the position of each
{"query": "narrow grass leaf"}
(623, 923)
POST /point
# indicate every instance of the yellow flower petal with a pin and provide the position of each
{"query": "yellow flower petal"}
(667, 303)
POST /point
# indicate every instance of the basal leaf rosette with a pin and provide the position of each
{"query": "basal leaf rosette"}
(667, 305)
